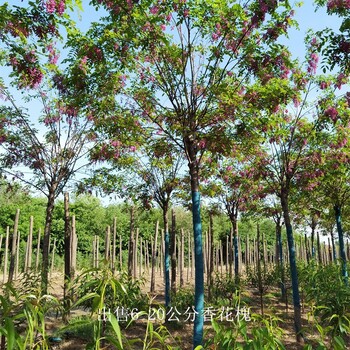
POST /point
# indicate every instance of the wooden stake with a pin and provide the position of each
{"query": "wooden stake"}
(74, 245)
(107, 242)
(173, 251)
(114, 244)
(135, 250)
(6, 252)
(29, 250)
(154, 253)
(182, 257)
(14, 248)
(120, 253)
(38, 251)
(53, 256)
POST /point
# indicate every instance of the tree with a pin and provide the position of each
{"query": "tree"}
(54, 143)
(196, 58)
(335, 116)
(335, 47)
(185, 65)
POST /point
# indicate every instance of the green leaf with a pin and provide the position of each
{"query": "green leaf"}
(116, 329)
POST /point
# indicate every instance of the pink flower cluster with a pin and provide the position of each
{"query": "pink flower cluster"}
(332, 113)
(55, 6)
(27, 69)
(341, 80)
(18, 28)
(53, 56)
(334, 5)
(312, 64)
(216, 35)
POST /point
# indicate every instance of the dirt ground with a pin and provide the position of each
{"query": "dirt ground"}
(181, 332)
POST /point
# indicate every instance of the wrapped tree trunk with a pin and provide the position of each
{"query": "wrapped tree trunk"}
(173, 252)
(293, 266)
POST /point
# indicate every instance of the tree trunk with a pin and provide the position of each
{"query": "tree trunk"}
(334, 251)
(279, 257)
(337, 211)
(258, 266)
(166, 256)
(319, 251)
(67, 252)
(210, 255)
(235, 245)
(173, 251)
(293, 265)
(198, 247)
(46, 239)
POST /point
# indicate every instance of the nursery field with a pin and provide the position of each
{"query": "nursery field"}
(174, 174)
(245, 314)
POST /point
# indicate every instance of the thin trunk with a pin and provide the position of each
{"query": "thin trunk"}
(258, 265)
(210, 255)
(67, 252)
(198, 247)
(173, 252)
(337, 211)
(279, 258)
(319, 251)
(46, 239)
(235, 244)
(307, 248)
(166, 255)
(154, 256)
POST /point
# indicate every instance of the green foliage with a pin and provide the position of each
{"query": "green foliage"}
(258, 333)
(329, 299)
(99, 288)
(23, 311)
(225, 290)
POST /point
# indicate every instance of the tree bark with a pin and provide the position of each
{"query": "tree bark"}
(198, 246)
(46, 239)
(337, 211)
(67, 252)
(279, 257)
(154, 257)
